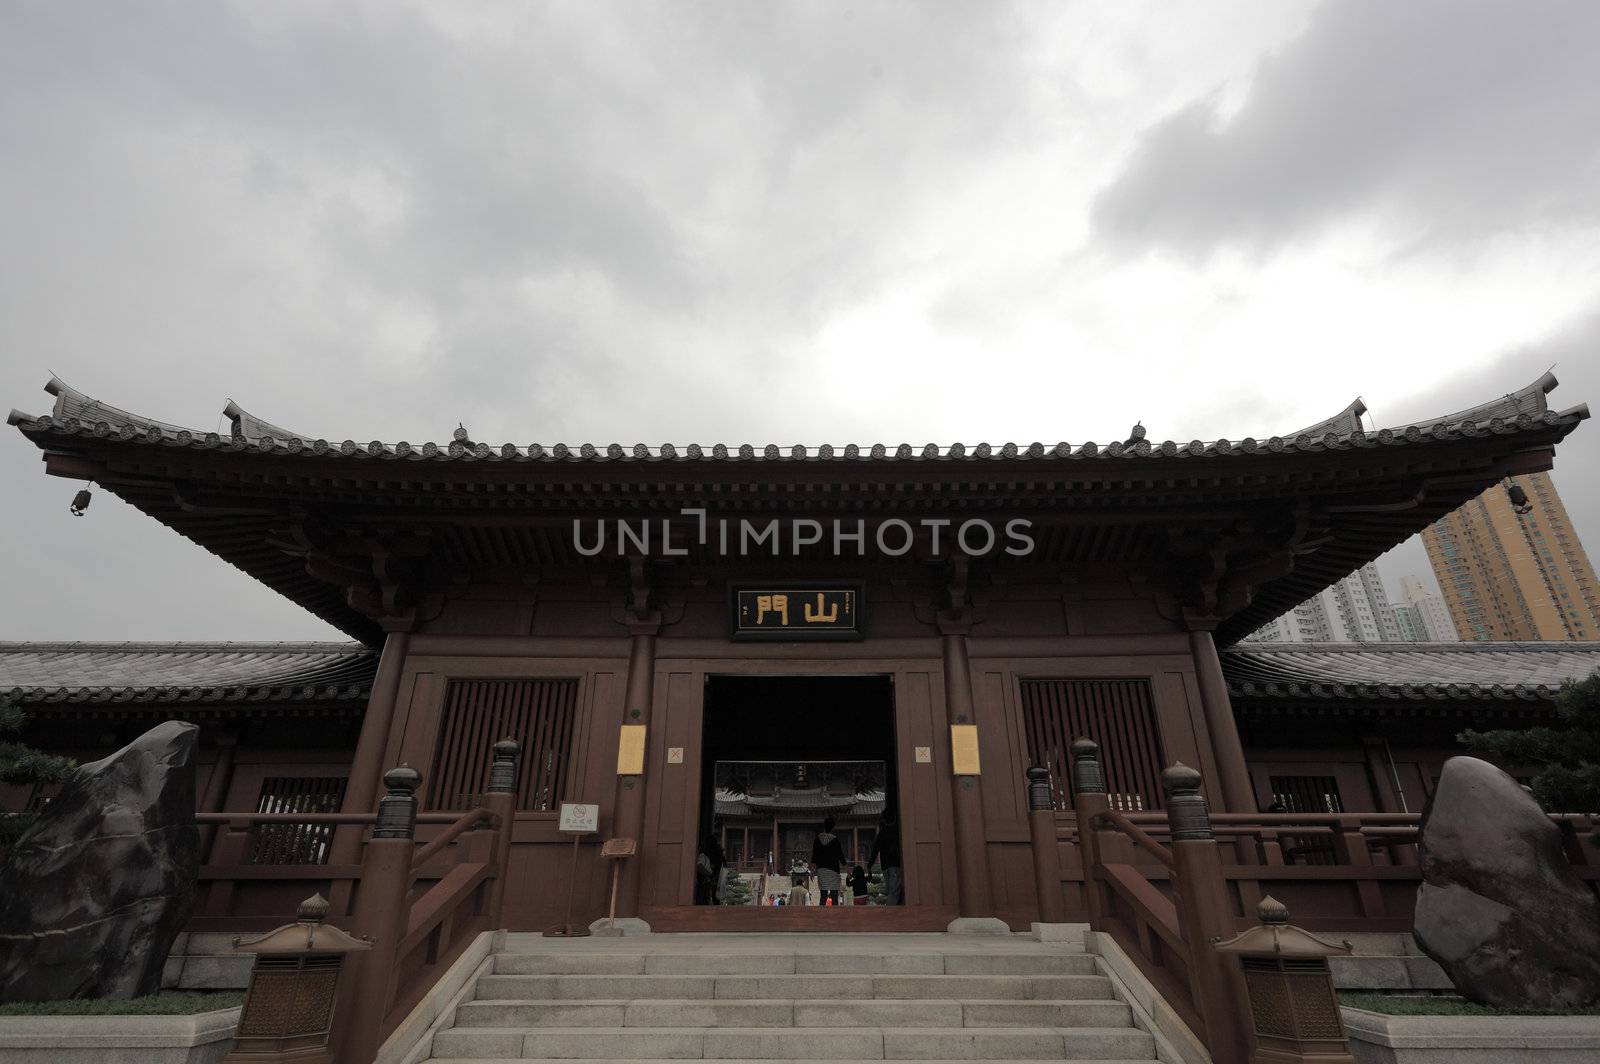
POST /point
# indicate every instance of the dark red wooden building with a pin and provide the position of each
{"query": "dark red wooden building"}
(635, 615)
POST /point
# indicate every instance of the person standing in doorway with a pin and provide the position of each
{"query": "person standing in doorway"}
(886, 848)
(709, 866)
(827, 855)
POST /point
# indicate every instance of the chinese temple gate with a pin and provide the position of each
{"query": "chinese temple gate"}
(654, 625)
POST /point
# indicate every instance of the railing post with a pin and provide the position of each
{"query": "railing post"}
(1350, 849)
(381, 913)
(501, 800)
(1205, 915)
(1089, 801)
(1046, 860)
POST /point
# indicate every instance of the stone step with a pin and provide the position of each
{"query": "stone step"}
(793, 987)
(803, 1013)
(794, 964)
(767, 1043)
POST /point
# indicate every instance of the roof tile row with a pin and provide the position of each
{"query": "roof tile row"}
(1405, 671)
(76, 414)
(253, 672)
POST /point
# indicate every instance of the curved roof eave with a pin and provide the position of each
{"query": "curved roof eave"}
(77, 414)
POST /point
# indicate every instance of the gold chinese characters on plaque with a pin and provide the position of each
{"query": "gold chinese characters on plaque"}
(797, 611)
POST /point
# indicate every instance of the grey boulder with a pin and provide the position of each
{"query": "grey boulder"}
(94, 892)
(1500, 907)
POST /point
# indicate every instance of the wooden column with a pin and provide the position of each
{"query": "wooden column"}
(1237, 797)
(628, 820)
(1380, 775)
(972, 864)
(366, 765)
(215, 797)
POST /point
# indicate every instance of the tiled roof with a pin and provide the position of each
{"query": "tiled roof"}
(256, 672)
(807, 800)
(132, 673)
(1407, 671)
(77, 414)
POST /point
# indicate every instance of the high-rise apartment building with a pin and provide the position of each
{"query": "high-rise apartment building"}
(1355, 610)
(1510, 575)
(1421, 615)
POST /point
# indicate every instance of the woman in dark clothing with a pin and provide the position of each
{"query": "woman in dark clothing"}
(708, 872)
(858, 885)
(827, 854)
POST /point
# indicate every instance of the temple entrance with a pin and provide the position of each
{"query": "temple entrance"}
(785, 758)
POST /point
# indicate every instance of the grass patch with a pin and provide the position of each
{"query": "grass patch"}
(165, 1003)
(1444, 1005)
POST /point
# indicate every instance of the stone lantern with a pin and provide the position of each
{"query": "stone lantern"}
(1294, 1008)
(288, 1009)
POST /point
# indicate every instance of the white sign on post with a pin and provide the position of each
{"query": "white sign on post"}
(579, 819)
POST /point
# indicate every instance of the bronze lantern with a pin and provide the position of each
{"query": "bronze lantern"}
(288, 1009)
(1294, 1008)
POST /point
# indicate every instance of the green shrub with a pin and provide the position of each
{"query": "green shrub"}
(165, 1003)
(1444, 1005)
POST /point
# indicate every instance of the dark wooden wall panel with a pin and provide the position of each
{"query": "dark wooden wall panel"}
(926, 818)
(672, 808)
(1002, 749)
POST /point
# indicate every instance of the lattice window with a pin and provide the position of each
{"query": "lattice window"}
(1307, 794)
(1119, 715)
(539, 714)
(295, 843)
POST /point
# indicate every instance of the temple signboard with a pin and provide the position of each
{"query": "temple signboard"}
(795, 611)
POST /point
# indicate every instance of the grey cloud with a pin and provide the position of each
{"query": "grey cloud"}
(555, 221)
(1439, 118)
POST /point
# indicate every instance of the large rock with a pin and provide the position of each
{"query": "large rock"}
(94, 892)
(1500, 907)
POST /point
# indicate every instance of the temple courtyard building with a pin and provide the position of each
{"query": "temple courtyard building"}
(734, 642)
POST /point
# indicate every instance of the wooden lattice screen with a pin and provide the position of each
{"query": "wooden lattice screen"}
(1117, 714)
(539, 714)
(1307, 794)
(295, 843)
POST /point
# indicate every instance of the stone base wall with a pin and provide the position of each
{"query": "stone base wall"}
(1380, 1039)
(1385, 962)
(201, 1039)
(202, 960)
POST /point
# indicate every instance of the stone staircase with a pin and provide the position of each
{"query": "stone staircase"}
(793, 997)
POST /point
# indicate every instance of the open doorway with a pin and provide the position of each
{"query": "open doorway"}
(786, 759)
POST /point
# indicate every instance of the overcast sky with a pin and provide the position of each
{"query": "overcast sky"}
(803, 222)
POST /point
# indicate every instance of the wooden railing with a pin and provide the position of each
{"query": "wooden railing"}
(419, 902)
(1166, 885)
(1350, 872)
(239, 894)
(416, 935)
(1169, 933)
